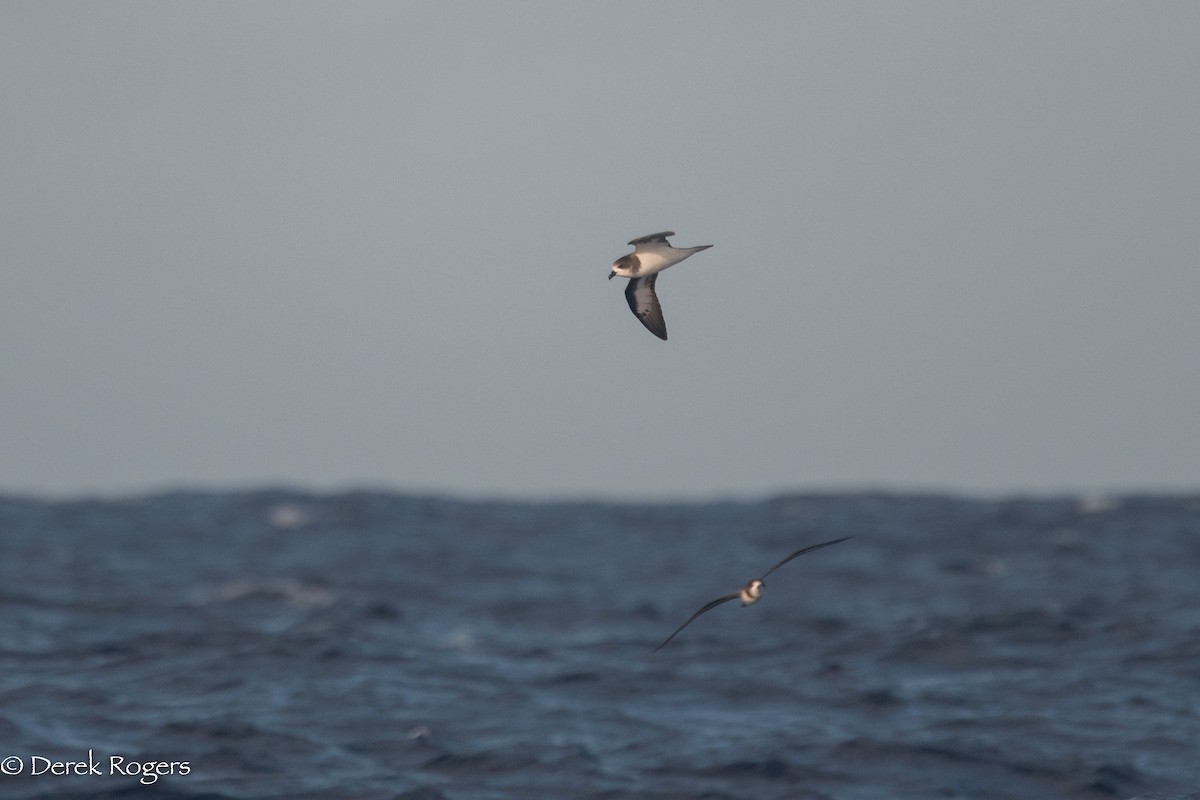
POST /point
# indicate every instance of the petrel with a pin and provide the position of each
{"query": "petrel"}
(748, 594)
(651, 255)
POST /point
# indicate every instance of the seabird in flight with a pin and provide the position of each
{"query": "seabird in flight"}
(748, 594)
(651, 255)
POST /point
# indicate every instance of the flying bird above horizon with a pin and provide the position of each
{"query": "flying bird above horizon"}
(651, 255)
(748, 594)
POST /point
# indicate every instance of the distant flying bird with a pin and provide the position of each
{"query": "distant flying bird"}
(748, 594)
(651, 255)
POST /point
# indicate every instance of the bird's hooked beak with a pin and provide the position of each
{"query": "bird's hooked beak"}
(612, 274)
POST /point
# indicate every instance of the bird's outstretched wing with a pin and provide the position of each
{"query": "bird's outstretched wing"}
(653, 237)
(802, 552)
(710, 605)
(643, 302)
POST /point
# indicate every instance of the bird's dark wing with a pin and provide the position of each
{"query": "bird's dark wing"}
(802, 552)
(653, 237)
(710, 605)
(643, 302)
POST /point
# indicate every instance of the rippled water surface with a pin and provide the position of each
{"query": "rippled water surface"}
(367, 645)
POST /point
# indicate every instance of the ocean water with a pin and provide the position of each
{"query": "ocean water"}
(277, 644)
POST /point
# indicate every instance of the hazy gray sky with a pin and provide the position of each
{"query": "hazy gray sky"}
(956, 246)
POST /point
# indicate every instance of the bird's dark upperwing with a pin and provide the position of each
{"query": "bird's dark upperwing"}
(653, 237)
(802, 552)
(706, 607)
(643, 302)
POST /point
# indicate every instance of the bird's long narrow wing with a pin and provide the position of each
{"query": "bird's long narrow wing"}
(643, 302)
(802, 552)
(709, 606)
(653, 237)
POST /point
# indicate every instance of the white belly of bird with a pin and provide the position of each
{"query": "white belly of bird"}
(657, 260)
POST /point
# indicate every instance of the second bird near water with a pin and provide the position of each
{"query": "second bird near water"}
(750, 593)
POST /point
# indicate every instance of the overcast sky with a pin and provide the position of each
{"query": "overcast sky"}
(956, 246)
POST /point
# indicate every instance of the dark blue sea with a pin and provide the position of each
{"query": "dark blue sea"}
(279, 644)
